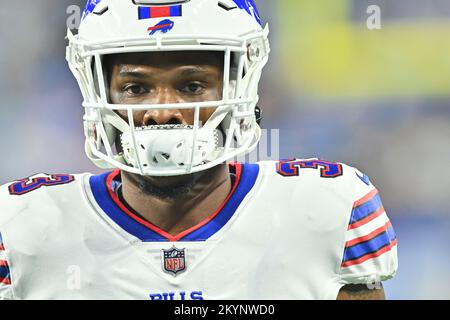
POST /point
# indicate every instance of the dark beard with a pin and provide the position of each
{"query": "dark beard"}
(176, 187)
(164, 193)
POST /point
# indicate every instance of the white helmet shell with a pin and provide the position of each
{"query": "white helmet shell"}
(123, 26)
(112, 19)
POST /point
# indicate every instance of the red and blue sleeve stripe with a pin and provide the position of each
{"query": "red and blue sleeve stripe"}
(5, 274)
(160, 12)
(369, 246)
(366, 209)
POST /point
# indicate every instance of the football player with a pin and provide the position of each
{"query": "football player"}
(170, 90)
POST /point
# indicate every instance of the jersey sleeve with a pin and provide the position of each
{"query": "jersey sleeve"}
(6, 292)
(370, 251)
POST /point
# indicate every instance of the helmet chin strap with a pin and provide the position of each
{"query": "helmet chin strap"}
(115, 123)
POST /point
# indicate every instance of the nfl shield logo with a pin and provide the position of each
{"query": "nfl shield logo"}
(174, 260)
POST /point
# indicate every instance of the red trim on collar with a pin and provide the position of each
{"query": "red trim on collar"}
(123, 207)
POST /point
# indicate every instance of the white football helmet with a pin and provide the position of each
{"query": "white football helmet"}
(125, 26)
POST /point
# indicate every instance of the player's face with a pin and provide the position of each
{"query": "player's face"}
(160, 78)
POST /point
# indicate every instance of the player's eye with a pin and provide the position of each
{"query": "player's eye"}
(135, 90)
(193, 88)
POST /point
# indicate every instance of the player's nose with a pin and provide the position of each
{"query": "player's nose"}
(164, 116)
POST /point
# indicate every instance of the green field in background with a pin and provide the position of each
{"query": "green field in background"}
(325, 54)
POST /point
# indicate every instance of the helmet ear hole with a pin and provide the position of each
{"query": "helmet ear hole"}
(258, 115)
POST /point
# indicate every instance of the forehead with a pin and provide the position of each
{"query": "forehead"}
(166, 59)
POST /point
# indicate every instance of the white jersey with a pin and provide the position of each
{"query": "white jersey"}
(297, 229)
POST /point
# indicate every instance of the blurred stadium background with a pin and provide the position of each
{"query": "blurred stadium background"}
(378, 100)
